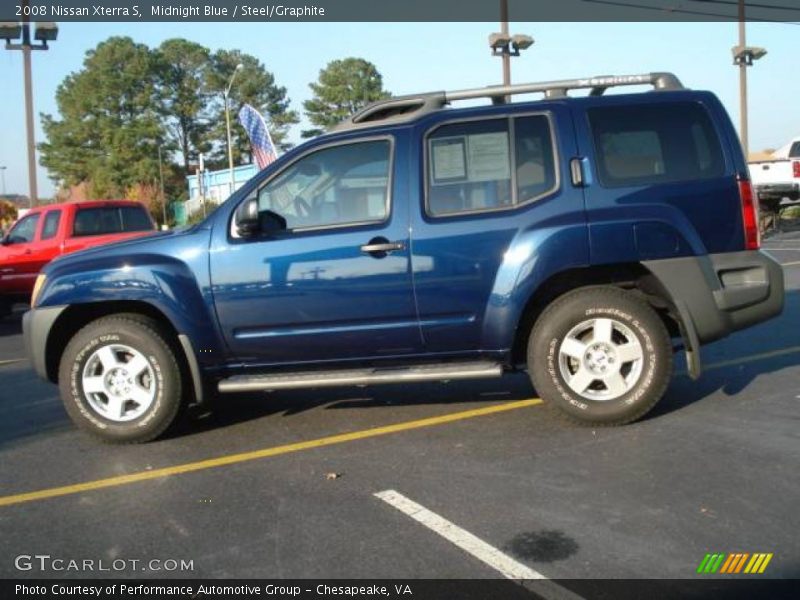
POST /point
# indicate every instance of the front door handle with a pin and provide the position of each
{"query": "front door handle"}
(381, 246)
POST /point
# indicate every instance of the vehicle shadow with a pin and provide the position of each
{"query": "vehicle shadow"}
(12, 324)
(232, 409)
(731, 364)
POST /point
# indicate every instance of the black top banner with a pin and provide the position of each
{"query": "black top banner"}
(398, 10)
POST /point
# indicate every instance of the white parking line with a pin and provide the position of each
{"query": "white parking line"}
(10, 361)
(471, 544)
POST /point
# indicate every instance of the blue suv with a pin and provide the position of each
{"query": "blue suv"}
(584, 238)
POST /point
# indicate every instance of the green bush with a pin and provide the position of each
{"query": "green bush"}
(199, 214)
(793, 212)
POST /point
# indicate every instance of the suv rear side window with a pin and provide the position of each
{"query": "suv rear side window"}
(51, 220)
(477, 166)
(794, 151)
(657, 143)
(103, 220)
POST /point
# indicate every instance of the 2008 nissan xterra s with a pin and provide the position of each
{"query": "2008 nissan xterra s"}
(584, 238)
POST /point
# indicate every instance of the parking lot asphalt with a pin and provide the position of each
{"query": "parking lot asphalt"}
(712, 469)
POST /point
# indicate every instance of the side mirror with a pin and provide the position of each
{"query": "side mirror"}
(247, 222)
(271, 222)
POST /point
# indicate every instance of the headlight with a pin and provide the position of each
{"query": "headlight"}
(37, 287)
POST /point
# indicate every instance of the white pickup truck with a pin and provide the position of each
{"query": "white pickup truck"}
(776, 179)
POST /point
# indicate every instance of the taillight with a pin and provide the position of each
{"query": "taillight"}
(752, 235)
(796, 168)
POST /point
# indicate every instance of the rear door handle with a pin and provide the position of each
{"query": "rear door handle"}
(375, 246)
(576, 172)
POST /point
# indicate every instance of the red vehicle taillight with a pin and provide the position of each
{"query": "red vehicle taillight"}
(796, 168)
(752, 235)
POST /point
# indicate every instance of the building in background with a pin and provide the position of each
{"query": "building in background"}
(215, 186)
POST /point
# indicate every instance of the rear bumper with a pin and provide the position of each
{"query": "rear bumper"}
(721, 293)
(36, 325)
(778, 191)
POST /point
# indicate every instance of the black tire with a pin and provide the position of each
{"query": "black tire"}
(648, 377)
(5, 309)
(144, 336)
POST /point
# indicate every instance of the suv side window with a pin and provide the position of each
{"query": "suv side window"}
(657, 143)
(51, 220)
(24, 231)
(794, 151)
(339, 185)
(478, 166)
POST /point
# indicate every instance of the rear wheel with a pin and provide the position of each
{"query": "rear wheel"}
(120, 380)
(5, 308)
(601, 355)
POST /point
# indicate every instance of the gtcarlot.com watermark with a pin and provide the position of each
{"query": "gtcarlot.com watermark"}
(45, 563)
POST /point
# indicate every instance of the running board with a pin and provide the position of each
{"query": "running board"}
(369, 376)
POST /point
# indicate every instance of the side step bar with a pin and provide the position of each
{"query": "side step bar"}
(369, 376)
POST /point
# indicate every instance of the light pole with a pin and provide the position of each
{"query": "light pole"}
(228, 124)
(161, 178)
(743, 57)
(45, 32)
(505, 45)
(3, 175)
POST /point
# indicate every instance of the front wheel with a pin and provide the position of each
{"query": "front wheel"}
(601, 355)
(120, 381)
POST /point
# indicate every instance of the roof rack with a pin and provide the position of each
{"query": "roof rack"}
(406, 108)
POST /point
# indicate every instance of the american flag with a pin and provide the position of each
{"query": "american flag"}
(263, 149)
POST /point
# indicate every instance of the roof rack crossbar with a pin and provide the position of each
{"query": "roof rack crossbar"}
(405, 108)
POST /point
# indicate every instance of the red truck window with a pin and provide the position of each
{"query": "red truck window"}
(110, 219)
(51, 220)
(25, 230)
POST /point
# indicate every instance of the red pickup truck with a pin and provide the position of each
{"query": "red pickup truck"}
(49, 231)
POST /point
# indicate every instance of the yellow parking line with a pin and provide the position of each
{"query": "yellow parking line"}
(794, 263)
(231, 459)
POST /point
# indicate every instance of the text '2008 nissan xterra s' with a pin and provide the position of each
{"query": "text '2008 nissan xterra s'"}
(583, 238)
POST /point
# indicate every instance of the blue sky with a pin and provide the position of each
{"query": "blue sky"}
(417, 57)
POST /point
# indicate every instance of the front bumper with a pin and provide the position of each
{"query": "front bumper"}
(36, 326)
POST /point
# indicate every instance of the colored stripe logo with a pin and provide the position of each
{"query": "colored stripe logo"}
(731, 564)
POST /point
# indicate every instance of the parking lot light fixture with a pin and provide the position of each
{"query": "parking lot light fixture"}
(45, 32)
(744, 56)
(506, 45)
(10, 31)
(228, 124)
